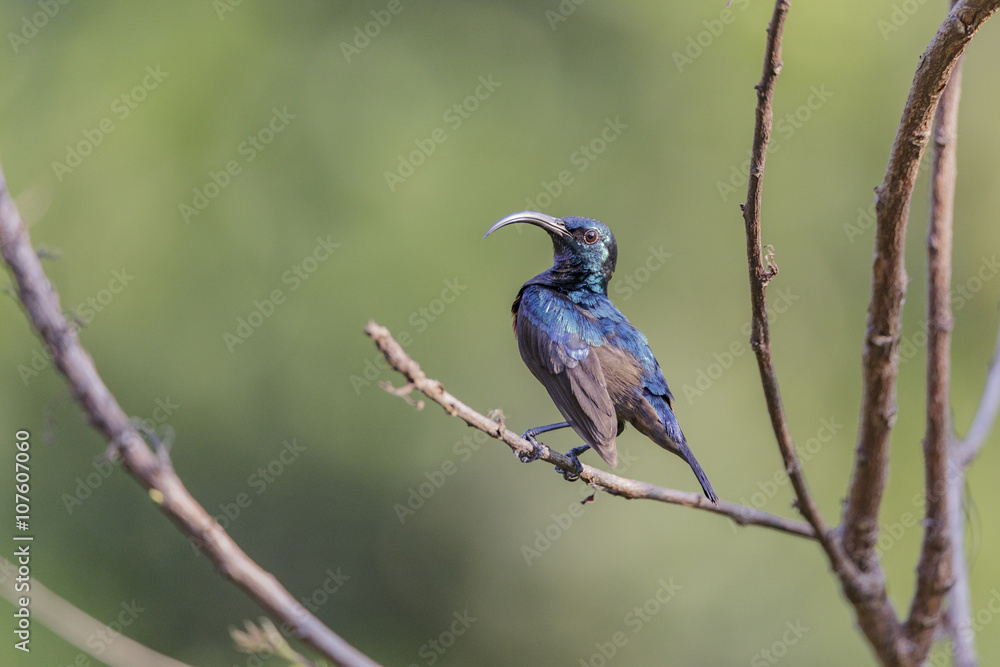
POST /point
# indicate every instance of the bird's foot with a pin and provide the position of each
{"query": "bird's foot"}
(577, 466)
(536, 451)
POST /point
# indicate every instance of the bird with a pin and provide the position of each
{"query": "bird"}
(597, 368)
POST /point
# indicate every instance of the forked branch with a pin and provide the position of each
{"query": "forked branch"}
(881, 347)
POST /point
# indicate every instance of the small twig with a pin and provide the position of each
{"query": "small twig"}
(619, 486)
(266, 639)
(403, 392)
(41, 303)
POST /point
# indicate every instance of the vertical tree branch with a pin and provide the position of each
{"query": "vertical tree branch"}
(153, 472)
(762, 269)
(861, 575)
(935, 565)
(866, 591)
(958, 616)
(881, 347)
(760, 275)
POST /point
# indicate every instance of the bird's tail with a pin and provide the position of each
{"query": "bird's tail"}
(706, 485)
(672, 439)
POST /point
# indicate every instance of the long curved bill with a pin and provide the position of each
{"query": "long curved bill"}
(546, 222)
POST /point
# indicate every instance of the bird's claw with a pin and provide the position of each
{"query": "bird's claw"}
(574, 475)
(536, 451)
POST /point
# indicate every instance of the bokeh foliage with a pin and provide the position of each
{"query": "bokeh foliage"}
(409, 255)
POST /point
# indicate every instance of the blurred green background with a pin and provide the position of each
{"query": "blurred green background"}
(639, 115)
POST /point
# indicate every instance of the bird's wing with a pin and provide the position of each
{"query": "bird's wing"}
(556, 339)
(627, 338)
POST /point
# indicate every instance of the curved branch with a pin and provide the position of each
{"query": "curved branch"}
(866, 591)
(760, 338)
(881, 347)
(153, 472)
(78, 627)
(613, 484)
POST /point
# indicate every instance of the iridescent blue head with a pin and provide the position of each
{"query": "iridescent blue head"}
(584, 250)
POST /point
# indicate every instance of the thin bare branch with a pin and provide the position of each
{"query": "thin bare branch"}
(41, 303)
(966, 449)
(80, 628)
(760, 275)
(934, 570)
(958, 615)
(866, 591)
(613, 484)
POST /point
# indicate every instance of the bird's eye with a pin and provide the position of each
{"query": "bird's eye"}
(591, 236)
